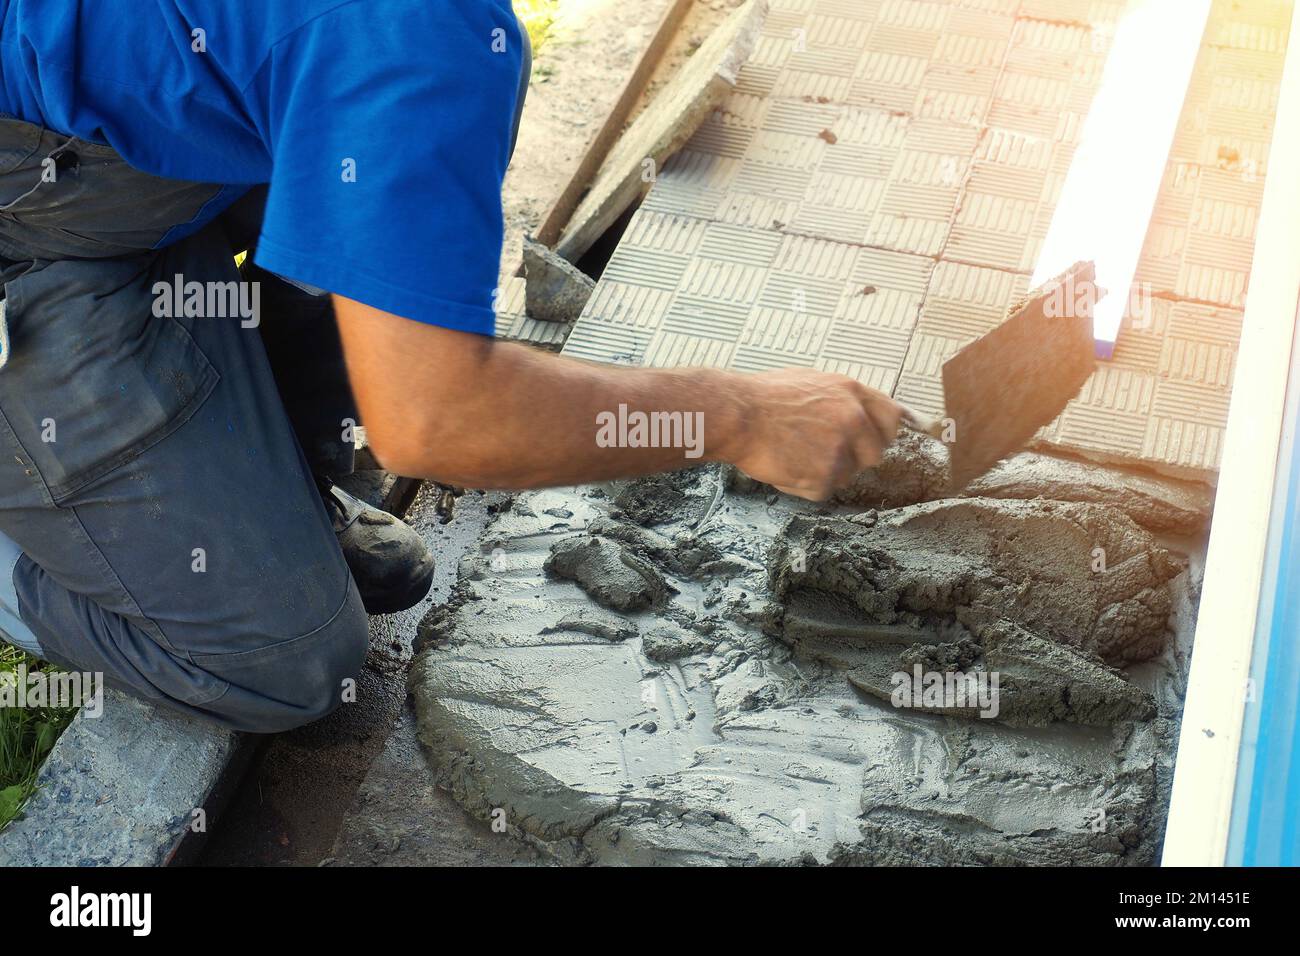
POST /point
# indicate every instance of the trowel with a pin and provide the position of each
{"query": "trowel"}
(1002, 388)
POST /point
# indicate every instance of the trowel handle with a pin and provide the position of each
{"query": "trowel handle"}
(920, 423)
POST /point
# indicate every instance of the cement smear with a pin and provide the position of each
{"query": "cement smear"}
(1082, 575)
(915, 469)
(1156, 502)
(677, 671)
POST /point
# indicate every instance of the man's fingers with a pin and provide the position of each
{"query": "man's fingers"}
(825, 430)
(866, 451)
(884, 412)
(885, 415)
(873, 436)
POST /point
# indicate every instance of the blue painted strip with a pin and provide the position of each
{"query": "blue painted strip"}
(1265, 827)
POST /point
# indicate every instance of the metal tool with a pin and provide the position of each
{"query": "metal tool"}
(1002, 388)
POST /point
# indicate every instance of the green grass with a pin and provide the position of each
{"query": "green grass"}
(538, 17)
(26, 736)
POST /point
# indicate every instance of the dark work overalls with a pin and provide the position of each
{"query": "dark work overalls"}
(159, 518)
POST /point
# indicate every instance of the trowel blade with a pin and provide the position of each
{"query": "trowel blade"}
(1002, 388)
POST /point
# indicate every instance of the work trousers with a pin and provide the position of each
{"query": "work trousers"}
(160, 521)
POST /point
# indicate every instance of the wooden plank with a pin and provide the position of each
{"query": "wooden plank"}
(558, 217)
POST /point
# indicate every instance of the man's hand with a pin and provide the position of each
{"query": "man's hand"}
(809, 433)
(471, 411)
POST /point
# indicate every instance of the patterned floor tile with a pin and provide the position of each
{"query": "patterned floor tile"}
(874, 194)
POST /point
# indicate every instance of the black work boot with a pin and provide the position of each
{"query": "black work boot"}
(391, 564)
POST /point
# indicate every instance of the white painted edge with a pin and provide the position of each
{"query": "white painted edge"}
(1208, 747)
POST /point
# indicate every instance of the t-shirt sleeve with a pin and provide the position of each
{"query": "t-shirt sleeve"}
(390, 128)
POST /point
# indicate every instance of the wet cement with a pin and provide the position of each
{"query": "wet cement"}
(1082, 575)
(693, 670)
(915, 469)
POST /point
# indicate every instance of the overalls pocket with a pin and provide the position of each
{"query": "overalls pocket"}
(19, 142)
(93, 377)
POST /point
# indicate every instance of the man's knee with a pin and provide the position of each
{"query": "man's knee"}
(292, 683)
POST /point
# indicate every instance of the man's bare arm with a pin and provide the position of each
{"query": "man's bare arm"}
(471, 411)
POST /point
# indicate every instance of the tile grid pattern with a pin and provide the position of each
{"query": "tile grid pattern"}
(874, 194)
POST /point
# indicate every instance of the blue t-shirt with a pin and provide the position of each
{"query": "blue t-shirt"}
(382, 126)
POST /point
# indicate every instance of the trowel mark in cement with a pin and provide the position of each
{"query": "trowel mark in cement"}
(1040, 682)
(690, 735)
(1156, 502)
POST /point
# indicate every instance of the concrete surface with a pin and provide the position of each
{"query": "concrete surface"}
(294, 797)
(125, 789)
(915, 469)
(731, 721)
(555, 289)
(399, 818)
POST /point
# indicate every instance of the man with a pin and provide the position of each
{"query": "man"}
(166, 501)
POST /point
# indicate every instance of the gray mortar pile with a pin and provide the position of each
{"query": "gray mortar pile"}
(693, 669)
